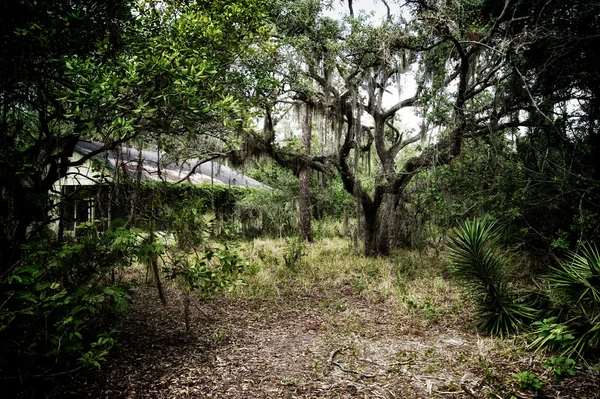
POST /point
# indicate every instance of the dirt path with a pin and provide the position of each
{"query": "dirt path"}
(334, 345)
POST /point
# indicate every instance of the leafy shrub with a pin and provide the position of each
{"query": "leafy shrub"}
(551, 334)
(575, 288)
(560, 367)
(58, 303)
(327, 228)
(206, 270)
(293, 251)
(477, 262)
(274, 212)
(529, 380)
(267, 212)
(199, 261)
(219, 199)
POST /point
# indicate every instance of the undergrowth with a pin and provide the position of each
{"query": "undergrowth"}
(411, 280)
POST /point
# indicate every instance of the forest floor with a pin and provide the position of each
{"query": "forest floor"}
(316, 342)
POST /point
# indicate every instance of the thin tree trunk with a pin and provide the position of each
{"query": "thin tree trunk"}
(304, 200)
(159, 287)
(154, 265)
(186, 309)
(136, 192)
(346, 223)
(61, 215)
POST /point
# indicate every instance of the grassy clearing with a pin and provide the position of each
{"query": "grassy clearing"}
(413, 281)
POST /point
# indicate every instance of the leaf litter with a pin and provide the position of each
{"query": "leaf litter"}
(300, 346)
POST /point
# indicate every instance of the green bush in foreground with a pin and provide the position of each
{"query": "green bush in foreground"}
(574, 286)
(477, 263)
(58, 304)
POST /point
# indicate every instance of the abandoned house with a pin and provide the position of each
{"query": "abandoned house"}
(86, 193)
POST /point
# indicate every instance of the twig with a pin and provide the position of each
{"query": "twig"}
(387, 364)
(416, 377)
(345, 370)
(531, 96)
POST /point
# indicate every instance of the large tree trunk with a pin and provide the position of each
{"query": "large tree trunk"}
(400, 221)
(376, 233)
(304, 200)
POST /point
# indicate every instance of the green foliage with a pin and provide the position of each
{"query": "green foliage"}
(274, 212)
(179, 58)
(551, 334)
(494, 177)
(529, 380)
(156, 198)
(329, 198)
(574, 286)
(60, 302)
(560, 367)
(104, 70)
(198, 259)
(560, 242)
(98, 350)
(113, 71)
(110, 71)
(577, 282)
(294, 250)
(485, 179)
(477, 262)
(207, 270)
(328, 228)
(268, 212)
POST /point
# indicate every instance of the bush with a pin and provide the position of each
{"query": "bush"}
(153, 198)
(574, 287)
(274, 212)
(560, 367)
(477, 262)
(267, 212)
(529, 380)
(551, 334)
(58, 303)
(198, 260)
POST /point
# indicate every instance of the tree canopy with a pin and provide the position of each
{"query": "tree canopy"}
(506, 95)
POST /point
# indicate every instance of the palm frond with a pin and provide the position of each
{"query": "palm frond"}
(575, 285)
(477, 262)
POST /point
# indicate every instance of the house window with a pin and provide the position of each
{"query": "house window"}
(84, 210)
(68, 208)
(78, 206)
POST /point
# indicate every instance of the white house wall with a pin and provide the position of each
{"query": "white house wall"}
(83, 175)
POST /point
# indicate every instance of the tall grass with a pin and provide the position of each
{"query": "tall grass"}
(331, 268)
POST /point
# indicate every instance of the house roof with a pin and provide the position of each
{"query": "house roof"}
(154, 167)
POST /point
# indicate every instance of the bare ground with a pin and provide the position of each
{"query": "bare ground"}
(327, 345)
